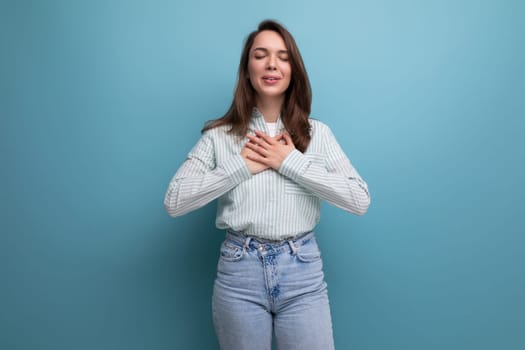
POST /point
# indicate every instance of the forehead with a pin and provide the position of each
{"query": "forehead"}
(270, 40)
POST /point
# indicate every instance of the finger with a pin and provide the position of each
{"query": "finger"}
(256, 140)
(280, 139)
(257, 158)
(246, 151)
(265, 137)
(287, 139)
(256, 148)
(252, 138)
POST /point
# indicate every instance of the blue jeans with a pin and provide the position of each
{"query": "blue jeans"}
(264, 285)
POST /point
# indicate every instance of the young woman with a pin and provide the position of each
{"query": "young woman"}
(269, 165)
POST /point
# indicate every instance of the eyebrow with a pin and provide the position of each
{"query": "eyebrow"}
(266, 50)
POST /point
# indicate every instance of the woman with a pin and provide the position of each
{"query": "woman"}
(269, 165)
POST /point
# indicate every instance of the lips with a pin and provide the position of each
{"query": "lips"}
(271, 79)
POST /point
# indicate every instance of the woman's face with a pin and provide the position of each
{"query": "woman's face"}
(268, 66)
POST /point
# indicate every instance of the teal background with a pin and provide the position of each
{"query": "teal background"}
(100, 101)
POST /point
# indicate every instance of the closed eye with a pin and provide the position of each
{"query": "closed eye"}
(261, 52)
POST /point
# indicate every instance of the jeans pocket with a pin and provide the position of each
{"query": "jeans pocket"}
(231, 251)
(309, 252)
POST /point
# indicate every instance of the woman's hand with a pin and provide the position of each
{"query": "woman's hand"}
(268, 151)
(253, 166)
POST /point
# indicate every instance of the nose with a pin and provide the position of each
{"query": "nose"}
(271, 63)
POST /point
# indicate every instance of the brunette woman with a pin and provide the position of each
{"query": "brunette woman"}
(269, 165)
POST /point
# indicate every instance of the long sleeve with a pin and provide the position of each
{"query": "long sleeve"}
(200, 180)
(337, 181)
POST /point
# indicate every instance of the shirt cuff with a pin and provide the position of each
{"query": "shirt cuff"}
(294, 165)
(236, 169)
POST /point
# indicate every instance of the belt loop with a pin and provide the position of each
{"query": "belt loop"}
(293, 247)
(247, 243)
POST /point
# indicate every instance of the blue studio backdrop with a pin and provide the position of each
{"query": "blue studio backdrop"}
(100, 101)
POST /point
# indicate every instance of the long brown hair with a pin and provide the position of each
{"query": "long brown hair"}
(298, 97)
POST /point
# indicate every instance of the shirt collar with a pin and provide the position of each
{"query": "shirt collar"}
(259, 123)
(256, 113)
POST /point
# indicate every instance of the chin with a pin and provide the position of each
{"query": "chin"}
(272, 93)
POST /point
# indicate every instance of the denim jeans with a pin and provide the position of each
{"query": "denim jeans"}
(264, 286)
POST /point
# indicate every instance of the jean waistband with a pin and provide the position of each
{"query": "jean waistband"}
(294, 243)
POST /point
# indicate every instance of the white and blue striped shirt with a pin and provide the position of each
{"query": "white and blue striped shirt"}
(271, 204)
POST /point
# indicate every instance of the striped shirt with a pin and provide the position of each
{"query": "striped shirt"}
(271, 204)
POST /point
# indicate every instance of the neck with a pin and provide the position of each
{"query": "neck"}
(270, 108)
